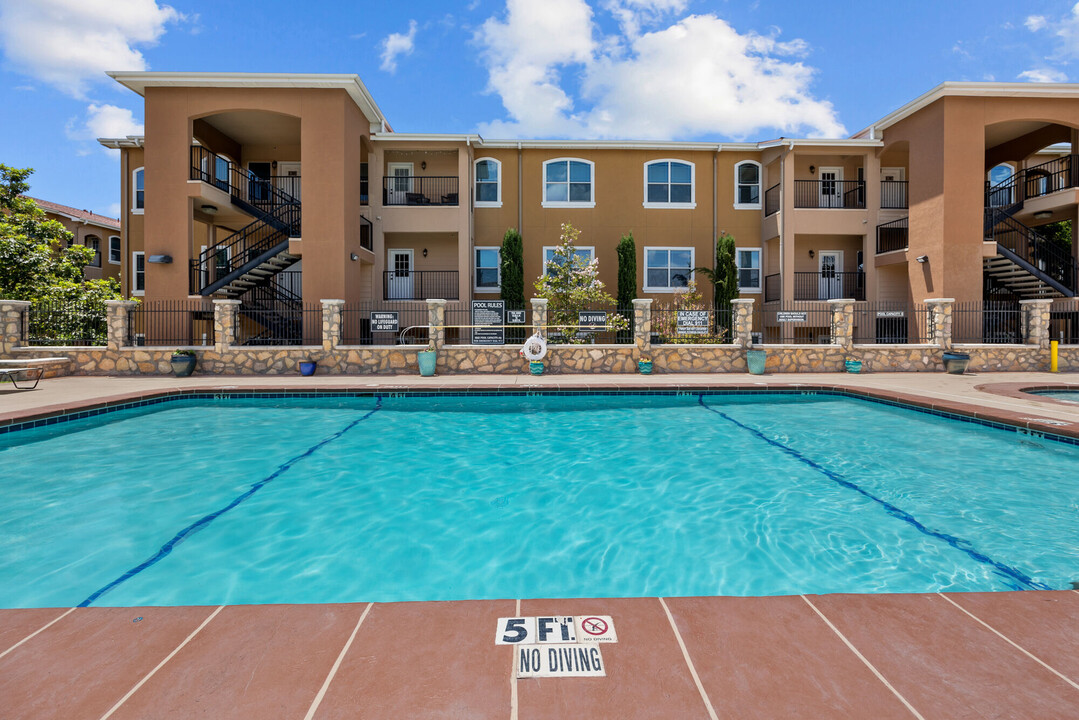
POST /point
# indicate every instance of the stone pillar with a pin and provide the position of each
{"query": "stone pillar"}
(225, 324)
(436, 322)
(331, 324)
(12, 317)
(1036, 321)
(642, 324)
(940, 321)
(742, 322)
(118, 317)
(842, 322)
(539, 316)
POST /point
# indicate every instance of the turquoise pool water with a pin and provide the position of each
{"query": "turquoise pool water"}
(1065, 395)
(419, 498)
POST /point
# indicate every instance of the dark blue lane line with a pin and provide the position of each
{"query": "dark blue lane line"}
(204, 521)
(963, 546)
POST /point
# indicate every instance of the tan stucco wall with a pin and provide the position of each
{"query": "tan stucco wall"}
(83, 232)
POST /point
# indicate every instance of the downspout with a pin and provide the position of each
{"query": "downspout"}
(471, 214)
(125, 191)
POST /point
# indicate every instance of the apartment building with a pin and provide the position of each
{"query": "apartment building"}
(284, 189)
(97, 232)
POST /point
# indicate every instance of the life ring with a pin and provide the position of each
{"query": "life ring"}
(535, 348)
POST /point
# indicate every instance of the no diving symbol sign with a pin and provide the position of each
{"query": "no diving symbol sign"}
(557, 645)
(594, 626)
(596, 629)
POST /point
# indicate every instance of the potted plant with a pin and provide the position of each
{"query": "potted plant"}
(755, 360)
(183, 362)
(307, 369)
(427, 359)
(644, 365)
(853, 366)
(956, 362)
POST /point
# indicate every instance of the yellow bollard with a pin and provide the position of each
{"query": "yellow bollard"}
(1053, 356)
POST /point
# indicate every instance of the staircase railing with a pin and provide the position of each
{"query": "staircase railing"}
(240, 183)
(244, 246)
(1032, 248)
(277, 310)
(1035, 181)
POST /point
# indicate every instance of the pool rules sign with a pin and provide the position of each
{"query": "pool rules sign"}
(557, 645)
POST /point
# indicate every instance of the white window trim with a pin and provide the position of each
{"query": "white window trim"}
(121, 249)
(568, 204)
(487, 288)
(760, 270)
(692, 264)
(135, 190)
(134, 273)
(498, 185)
(543, 257)
(672, 205)
(760, 186)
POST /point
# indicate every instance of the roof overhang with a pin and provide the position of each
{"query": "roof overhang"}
(131, 141)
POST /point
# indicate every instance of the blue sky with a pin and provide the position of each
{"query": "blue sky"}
(660, 69)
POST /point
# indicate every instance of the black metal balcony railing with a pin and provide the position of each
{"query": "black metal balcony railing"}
(773, 288)
(893, 194)
(366, 234)
(839, 194)
(419, 190)
(771, 200)
(818, 286)
(1036, 181)
(420, 284)
(893, 235)
(241, 183)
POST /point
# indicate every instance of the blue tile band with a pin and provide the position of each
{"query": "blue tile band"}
(1021, 580)
(204, 521)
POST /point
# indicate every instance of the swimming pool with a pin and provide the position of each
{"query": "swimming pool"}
(346, 499)
(1062, 395)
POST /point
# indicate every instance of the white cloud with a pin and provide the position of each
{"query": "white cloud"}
(697, 76)
(1035, 23)
(1043, 75)
(102, 121)
(112, 210)
(397, 44)
(71, 43)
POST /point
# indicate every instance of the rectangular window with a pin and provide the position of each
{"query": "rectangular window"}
(749, 269)
(567, 182)
(549, 255)
(94, 244)
(667, 269)
(488, 274)
(363, 183)
(139, 191)
(138, 273)
(114, 250)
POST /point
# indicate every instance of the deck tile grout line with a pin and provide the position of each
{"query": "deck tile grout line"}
(41, 629)
(336, 665)
(161, 664)
(689, 661)
(1014, 644)
(514, 710)
(863, 658)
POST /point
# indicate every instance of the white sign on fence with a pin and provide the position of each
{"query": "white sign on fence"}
(791, 317)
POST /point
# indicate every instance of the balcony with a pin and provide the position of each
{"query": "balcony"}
(825, 285)
(771, 200)
(830, 194)
(893, 194)
(420, 191)
(893, 235)
(420, 284)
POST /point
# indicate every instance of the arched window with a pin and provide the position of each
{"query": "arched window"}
(747, 185)
(1001, 189)
(669, 184)
(569, 182)
(114, 250)
(488, 183)
(138, 195)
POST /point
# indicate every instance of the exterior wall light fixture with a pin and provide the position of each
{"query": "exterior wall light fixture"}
(923, 258)
(160, 259)
(353, 257)
(209, 209)
(423, 165)
(425, 252)
(1043, 215)
(811, 253)
(812, 169)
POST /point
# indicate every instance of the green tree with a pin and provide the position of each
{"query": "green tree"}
(724, 276)
(1059, 234)
(627, 271)
(513, 278)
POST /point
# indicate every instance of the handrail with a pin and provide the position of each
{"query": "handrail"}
(771, 200)
(893, 235)
(837, 194)
(240, 182)
(1033, 248)
(1034, 181)
(244, 245)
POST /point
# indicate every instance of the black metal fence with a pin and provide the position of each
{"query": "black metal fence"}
(280, 323)
(893, 194)
(518, 326)
(403, 284)
(171, 322)
(694, 327)
(989, 321)
(1064, 321)
(839, 194)
(793, 323)
(771, 200)
(384, 323)
(420, 190)
(589, 325)
(65, 322)
(889, 322)
(893, 235)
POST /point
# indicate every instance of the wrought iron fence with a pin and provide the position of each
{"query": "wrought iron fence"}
(988, 321)
(590, 325)
(889, 322)
(518, 326)
(279, 323)
(384, 323)
(66, 322)
(1064, 321)
(671, 326)
(793, 323)
(171, 322)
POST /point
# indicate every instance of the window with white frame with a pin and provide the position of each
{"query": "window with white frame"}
(94, 243)
(747, 182)
(114, 250)
(138, 194)
(488, 273)
(568, 182)
(667, 269)
(749, 269)
(138, 273)
(549, 255)
(488, 183)
(669, 184)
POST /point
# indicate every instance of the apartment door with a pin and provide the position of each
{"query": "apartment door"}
(831, 275)
(399, 275)
(288, 178)
(831, 187)
(400, 183)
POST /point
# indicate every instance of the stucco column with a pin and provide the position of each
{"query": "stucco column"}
(842, 322)
(1036, 321)
(331, 324)
(940, 321)
(742, 322)
(436, 321)
(642, 324)
(118, 322)
(539, 316)
(872, 216)
(787, 229)
(12, 317)
(225, 324)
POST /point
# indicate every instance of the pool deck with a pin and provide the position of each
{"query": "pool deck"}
(962, 655)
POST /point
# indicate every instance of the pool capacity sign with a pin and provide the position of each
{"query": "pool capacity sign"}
(557, 645)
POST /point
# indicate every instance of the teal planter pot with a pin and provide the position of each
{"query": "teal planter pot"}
(645, 367)
(755, 360)
(427, 360)
(535, 367)
(853, 366)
